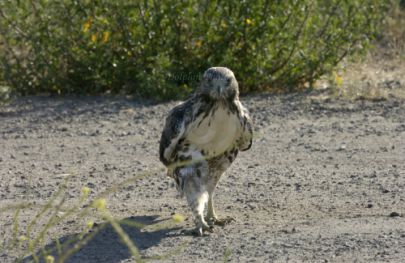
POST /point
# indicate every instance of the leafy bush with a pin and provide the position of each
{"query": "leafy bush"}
(160, 48)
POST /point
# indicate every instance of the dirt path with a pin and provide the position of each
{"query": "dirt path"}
(323, 182)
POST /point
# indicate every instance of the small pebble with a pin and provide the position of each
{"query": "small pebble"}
(394, 214)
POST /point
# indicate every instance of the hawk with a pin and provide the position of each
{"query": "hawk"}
(201, 138)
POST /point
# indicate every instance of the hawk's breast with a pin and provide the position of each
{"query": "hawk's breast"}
(215, 132)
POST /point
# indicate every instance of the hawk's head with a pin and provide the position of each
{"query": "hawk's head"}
(219, 83)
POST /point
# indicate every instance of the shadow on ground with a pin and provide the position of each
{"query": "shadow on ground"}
(43, 106)
(106, 245)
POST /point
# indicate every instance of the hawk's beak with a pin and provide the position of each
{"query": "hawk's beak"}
(219, 90)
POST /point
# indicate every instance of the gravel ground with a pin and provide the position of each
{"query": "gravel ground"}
(323, 182)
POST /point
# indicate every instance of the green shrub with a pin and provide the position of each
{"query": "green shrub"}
(159, 48)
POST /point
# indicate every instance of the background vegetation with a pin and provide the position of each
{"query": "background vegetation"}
(159, 48)
(392, 39)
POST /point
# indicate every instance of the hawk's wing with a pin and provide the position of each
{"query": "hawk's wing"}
(177, 124)
(173, 131)
(176, 127)
(247, 133)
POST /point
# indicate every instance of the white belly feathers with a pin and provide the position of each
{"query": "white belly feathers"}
(216, 133)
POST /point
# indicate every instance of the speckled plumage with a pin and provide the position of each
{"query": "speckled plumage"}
(202, 137)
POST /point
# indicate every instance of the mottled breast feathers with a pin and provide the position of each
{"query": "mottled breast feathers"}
(206, 126)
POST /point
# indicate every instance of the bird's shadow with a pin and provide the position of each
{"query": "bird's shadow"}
(104, 244)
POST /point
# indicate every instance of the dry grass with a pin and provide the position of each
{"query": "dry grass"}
(381, 74)
(373, 79)
(28, 242)
(393, 35)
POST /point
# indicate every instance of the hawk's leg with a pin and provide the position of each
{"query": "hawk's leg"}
(212, 217)
(197, 198)
(211, 211)
(197, 202)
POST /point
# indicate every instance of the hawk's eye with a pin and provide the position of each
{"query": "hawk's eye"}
(228, 81)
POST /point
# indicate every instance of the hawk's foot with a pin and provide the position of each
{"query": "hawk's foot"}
(198, 230)
(220, 222)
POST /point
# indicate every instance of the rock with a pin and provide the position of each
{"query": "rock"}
(341, 147)
(395, 214)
